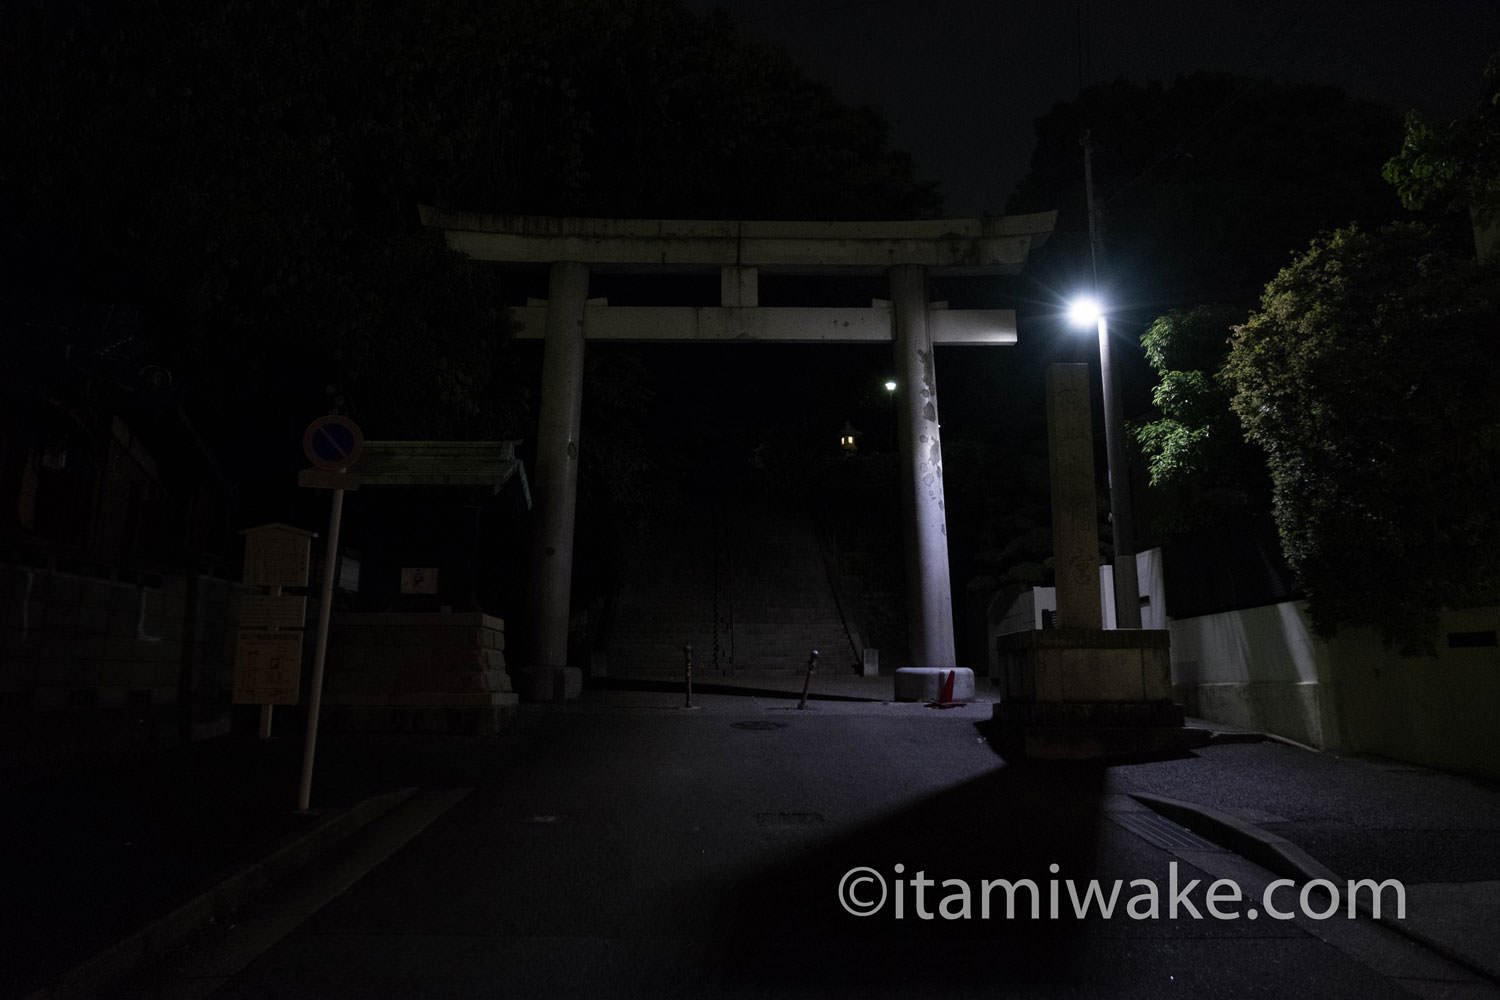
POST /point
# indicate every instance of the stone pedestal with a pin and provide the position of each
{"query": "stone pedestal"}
(416, 672)
(1079, 693)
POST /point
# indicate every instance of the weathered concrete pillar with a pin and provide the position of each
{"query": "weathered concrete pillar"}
(929, 603)
(556, 486)
(1075, 526)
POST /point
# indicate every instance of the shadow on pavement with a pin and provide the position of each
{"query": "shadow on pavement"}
(789, 932)
(95, 853)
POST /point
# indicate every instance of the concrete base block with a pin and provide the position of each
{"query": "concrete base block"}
(552, 683)
(926, 683)
(1089, 694)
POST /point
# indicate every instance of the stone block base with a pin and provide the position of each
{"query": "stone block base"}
(1085, 665)
(1087, 694)
(926, 683)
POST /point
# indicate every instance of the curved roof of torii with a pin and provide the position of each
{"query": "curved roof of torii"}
(945, 246)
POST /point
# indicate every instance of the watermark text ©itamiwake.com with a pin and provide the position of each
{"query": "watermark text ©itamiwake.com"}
(866, 892)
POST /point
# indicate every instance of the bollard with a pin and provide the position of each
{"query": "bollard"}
(812, 661)
(687, 666)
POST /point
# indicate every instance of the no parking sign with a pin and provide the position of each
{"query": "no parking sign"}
(332, 442)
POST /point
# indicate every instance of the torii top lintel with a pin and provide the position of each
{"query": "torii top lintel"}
(960, 247)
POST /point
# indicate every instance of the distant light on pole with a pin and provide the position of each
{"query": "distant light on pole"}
(890, 385)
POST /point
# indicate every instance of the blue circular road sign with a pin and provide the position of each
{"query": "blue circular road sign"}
(332, 442)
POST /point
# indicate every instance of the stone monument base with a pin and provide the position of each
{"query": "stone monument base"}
(1085, 694)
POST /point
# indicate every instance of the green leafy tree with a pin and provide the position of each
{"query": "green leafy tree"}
(1456, 164)
(1368, 376)
(1204, 473)
(1202, 187)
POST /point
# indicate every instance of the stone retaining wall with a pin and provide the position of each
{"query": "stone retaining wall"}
(427, 671)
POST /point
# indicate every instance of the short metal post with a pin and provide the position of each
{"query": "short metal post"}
(812, 661)
(687, 666)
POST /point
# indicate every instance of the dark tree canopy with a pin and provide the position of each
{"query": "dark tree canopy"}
(1368, 376)
(1456, 164)
(246, 176)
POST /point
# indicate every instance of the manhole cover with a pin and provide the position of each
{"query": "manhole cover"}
(759, 725)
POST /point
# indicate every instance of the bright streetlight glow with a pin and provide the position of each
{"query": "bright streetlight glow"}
(890, 387)
(1085, 312)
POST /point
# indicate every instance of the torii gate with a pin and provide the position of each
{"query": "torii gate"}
(907, 252)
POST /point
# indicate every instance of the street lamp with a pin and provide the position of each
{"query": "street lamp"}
(1087, 311)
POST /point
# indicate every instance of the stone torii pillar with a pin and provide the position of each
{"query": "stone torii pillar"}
(556, 488)
(929, 602)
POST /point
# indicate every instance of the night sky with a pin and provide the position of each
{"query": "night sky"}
(962, 80)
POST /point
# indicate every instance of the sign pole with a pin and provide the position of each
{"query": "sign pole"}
(266, 709)
(320, 651)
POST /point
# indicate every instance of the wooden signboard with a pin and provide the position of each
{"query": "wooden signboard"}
(267, 667)
(273, 611)
(277, 555)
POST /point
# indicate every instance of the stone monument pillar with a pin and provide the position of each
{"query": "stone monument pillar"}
(1075, 525)
(1080, 691)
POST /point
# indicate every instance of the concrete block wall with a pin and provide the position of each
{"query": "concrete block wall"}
(70, 640)
(80, 651)
(393, 670)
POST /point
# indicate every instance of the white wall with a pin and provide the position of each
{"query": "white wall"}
(1263, 669)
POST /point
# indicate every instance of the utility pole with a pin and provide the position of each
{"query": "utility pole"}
(1127, 588)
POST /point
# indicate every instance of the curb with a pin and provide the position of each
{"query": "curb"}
(1282, 857)
(160, 936)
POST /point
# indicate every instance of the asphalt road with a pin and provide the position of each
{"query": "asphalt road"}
(627, 847)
